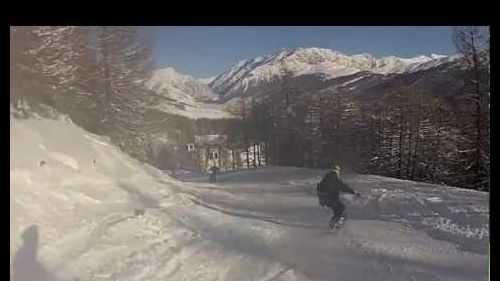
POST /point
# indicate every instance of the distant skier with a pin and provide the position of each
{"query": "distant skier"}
(213, 172)
(328, 191)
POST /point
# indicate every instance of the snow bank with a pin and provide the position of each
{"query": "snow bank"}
(69, 184)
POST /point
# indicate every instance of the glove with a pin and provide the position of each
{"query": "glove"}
(357, 194)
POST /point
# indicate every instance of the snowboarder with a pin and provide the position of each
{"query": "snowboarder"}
(213, 172)
(328, 191)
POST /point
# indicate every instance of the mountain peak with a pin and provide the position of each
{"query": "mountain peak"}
(435, 56)
(170, 83)
(327, 63)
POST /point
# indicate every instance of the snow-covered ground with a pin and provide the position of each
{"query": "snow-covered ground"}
(82, 210)
(196, 110)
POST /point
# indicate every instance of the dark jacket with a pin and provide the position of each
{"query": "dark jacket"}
(329, 188)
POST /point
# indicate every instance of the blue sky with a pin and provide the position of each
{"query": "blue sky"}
(208, 51)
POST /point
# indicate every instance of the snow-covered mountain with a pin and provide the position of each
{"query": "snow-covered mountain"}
(185, 95)
(206, 81)
(304, 70)
(324, 63)
(180, 87)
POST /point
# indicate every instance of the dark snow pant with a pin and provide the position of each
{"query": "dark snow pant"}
(337, 208)
(212, 177)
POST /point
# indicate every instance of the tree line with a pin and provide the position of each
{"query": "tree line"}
(407, 134)
(94, 75)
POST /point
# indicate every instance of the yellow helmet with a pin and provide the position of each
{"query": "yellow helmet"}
(336, 169)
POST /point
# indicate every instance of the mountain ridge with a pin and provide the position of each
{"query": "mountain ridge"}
(323, 62)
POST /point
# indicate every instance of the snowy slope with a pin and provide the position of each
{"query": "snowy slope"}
(78, 206)
(397, 230)
(195, 111)
(205, 81)
(326, 63)
(79, 217)
(186, 96)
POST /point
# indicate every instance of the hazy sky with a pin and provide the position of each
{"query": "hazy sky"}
(208, 51)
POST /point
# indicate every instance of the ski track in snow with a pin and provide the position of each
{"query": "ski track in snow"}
(117, 219)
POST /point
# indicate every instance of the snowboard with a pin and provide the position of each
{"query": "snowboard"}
(334, 225)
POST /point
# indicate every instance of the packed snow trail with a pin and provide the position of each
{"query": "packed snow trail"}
(401, 229)
(90, 212)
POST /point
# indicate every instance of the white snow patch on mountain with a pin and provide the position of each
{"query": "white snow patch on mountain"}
(327, 70)
(206, 81)
(352, 81)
